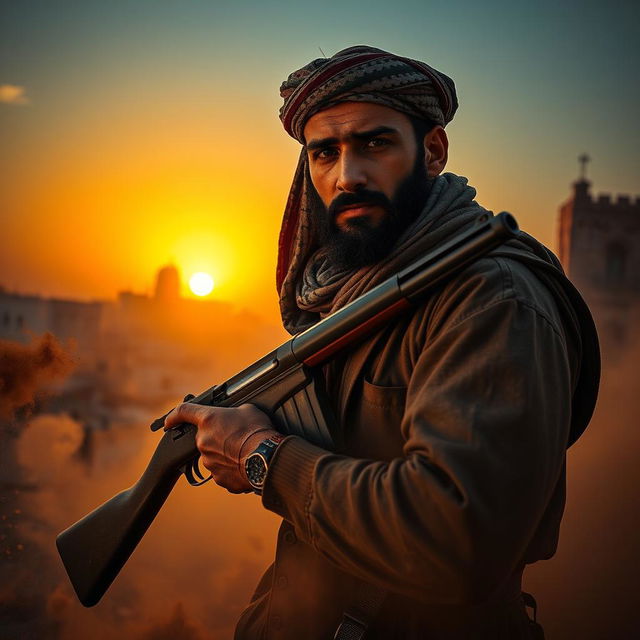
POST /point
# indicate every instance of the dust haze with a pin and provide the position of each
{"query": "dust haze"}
(200, 561)
(198, 564)
(589, 589)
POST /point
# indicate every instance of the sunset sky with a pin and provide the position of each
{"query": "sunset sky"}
(135, 134)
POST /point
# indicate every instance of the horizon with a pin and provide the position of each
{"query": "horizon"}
(187, 294)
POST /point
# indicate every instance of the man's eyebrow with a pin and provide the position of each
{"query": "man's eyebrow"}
(320, 144)
(359, 135)
(372, 133)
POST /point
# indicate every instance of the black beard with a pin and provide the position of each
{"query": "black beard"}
(362, 243)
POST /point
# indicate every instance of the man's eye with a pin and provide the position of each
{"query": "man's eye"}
(324, 154)
(378, 142)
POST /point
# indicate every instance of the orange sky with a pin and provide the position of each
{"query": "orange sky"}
(135, 138)
(105, 210)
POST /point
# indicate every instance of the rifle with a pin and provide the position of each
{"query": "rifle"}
(287, 384)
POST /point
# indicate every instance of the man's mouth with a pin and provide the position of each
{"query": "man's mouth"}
(355, 211)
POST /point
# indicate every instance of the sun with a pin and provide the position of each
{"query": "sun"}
(201, 283)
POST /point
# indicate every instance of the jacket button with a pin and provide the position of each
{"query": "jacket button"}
(276, 622)
(290, 537)
(282, 582)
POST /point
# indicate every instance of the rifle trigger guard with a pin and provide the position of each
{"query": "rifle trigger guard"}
(192, 468)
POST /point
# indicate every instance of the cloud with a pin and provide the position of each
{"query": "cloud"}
(13, 94)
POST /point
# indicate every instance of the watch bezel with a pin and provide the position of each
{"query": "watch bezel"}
(265, 467)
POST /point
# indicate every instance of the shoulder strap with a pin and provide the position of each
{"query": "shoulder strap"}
(357, 618)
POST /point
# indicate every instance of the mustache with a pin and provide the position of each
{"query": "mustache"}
(364, 196)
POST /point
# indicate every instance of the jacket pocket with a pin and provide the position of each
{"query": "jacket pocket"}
(384, 397)
(374, 425)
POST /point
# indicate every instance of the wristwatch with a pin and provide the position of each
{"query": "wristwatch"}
(257, 463)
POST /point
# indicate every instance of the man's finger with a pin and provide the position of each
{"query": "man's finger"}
(186, 412)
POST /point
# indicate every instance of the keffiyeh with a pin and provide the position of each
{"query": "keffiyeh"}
(356, 74)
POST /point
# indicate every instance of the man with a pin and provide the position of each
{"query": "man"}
(452, 422)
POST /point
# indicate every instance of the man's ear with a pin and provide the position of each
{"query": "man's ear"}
(436, 151)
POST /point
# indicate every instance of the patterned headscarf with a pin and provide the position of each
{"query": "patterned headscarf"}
(366, 74)
(356, 74)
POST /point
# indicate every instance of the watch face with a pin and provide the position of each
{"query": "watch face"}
(256, 469)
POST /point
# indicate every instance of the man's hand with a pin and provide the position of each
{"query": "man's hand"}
(226, 436)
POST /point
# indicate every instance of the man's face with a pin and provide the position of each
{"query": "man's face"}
(370, 178)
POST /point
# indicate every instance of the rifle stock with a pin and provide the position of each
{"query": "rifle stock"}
(287, 384)
(95, 548)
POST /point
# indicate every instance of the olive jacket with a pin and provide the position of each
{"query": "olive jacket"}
(449, 470)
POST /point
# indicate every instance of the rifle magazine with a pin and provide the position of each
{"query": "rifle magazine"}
(308, 414)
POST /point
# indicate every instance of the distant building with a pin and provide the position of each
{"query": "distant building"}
(24, 316)
(21, 314)
(599, 247)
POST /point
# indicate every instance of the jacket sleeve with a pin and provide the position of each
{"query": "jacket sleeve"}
(485, 429)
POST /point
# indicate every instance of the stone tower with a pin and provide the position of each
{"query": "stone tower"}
(599, 247)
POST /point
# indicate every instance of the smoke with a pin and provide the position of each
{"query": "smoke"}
(26, 370)
(190, 577)
(198, 564)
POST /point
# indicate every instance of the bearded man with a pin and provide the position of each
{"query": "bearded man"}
(452, 422)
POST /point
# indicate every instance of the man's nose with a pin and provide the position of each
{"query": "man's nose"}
(351, 176)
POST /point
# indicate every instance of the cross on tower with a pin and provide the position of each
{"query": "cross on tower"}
(583, 160)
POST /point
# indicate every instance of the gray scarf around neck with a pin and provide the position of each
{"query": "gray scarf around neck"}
(323, 288)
